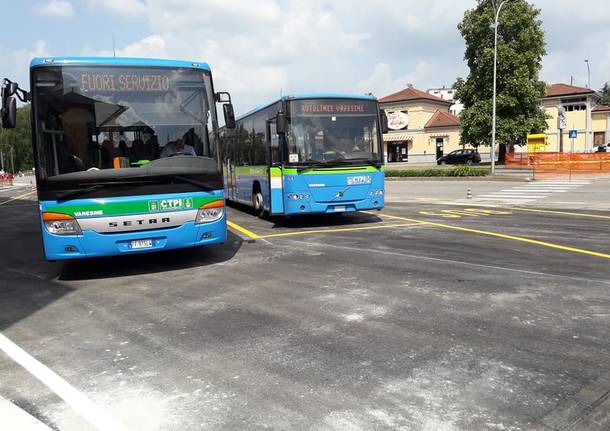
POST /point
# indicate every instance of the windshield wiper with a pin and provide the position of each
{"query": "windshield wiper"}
(360, 160)
(89, 187)
(199, 184)
(67, 195)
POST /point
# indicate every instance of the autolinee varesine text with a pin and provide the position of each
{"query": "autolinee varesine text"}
(310, 108)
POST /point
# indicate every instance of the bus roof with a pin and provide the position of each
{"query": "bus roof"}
(115, 61)
(301, 96)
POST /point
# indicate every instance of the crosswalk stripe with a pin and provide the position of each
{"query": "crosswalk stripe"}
(524, 193)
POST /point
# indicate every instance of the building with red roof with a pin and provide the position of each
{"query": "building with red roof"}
(421, 127)
(569, 107)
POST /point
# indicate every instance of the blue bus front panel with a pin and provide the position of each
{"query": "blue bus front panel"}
(332, 192)
(134, 224)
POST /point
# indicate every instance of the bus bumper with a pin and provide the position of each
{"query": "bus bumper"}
(293, 207)
(93, 244)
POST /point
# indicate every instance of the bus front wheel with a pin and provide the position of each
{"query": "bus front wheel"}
(258, 203)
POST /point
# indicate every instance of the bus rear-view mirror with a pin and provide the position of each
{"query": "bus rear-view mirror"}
(229, 115)
(9, 112)
(384, 123)
(281, 123)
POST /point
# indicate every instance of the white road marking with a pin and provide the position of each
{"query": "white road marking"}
(524, 193)
(97, 417)
(451, 261)
(514, 196)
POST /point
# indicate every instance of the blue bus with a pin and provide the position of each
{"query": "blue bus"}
(126, 154)
(308, 153)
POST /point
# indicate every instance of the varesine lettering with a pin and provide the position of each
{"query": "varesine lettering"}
(320, 108)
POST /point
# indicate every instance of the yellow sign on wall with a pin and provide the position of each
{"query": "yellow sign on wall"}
(536, 143)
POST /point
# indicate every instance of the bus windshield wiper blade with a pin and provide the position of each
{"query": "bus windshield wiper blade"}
(315, 162)
(203, 186)
(374, 163)
(72, 193)
(89, 187)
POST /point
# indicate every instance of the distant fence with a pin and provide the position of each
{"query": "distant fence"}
(6, 180)
(561, 164)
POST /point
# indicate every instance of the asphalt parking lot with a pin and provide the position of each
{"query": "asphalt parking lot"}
(424, 316)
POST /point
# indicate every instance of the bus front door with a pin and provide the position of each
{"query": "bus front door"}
(230, 180)
(276, 178)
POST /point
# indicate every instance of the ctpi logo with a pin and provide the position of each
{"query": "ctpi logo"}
(170, 204)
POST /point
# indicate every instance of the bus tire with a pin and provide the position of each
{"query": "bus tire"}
(258, 203)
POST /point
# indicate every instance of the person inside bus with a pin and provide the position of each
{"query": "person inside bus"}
(178, 148)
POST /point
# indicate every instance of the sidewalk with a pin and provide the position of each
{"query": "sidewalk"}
(15, 418)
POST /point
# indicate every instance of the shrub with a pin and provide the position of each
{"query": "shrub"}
(458, 171)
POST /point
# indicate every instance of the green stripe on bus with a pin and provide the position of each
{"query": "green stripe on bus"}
(254, 171)
(322, 171)
(134, 207)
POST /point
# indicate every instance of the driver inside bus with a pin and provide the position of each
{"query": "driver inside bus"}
(342, 142)
(178, 148)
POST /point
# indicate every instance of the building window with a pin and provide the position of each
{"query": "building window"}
(577, 107)
(398, 151)
(599, 138)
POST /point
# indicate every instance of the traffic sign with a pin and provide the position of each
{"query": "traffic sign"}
(573, 134)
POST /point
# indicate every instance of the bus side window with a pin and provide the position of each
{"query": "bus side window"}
(259, 142)
(274, 142)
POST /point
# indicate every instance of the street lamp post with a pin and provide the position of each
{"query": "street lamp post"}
(588, 74)
(493, 117)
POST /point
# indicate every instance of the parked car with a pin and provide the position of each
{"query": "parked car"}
(602, 149)
(460, 157)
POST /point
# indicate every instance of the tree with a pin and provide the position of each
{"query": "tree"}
(20, 139)
(521, 46)
(605, 93)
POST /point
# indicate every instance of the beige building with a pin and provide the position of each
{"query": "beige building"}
(582, 112)
(421, 127)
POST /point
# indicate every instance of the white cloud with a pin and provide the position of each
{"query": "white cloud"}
(15, 63)
(122, 6)
(56, 8)
(258, 49)
(382, 81)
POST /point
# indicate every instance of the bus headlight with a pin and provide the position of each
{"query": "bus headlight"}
(210, 212)
(61, 224)
(297, 196)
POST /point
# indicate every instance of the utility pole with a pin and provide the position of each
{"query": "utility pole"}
(12, 160)
(493, 117)
(588, 74)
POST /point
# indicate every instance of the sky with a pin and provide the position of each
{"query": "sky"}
(259, 49)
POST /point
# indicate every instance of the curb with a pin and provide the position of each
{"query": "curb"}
(508, 178)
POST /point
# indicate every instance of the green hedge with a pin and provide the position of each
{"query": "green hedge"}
(458, 171)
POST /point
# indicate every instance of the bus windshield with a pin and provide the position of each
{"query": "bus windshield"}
(96, 123)
(333, 131)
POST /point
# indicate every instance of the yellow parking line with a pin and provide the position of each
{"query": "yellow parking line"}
(562, 213)
(504, 236)
(347, 229)
(18, 197)
(242, 230)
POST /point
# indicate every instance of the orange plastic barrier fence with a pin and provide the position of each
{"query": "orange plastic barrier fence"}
(6, 180)
(561, 163)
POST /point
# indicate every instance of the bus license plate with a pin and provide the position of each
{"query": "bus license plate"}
(360, 179)
(339, 208)
(141, 243)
